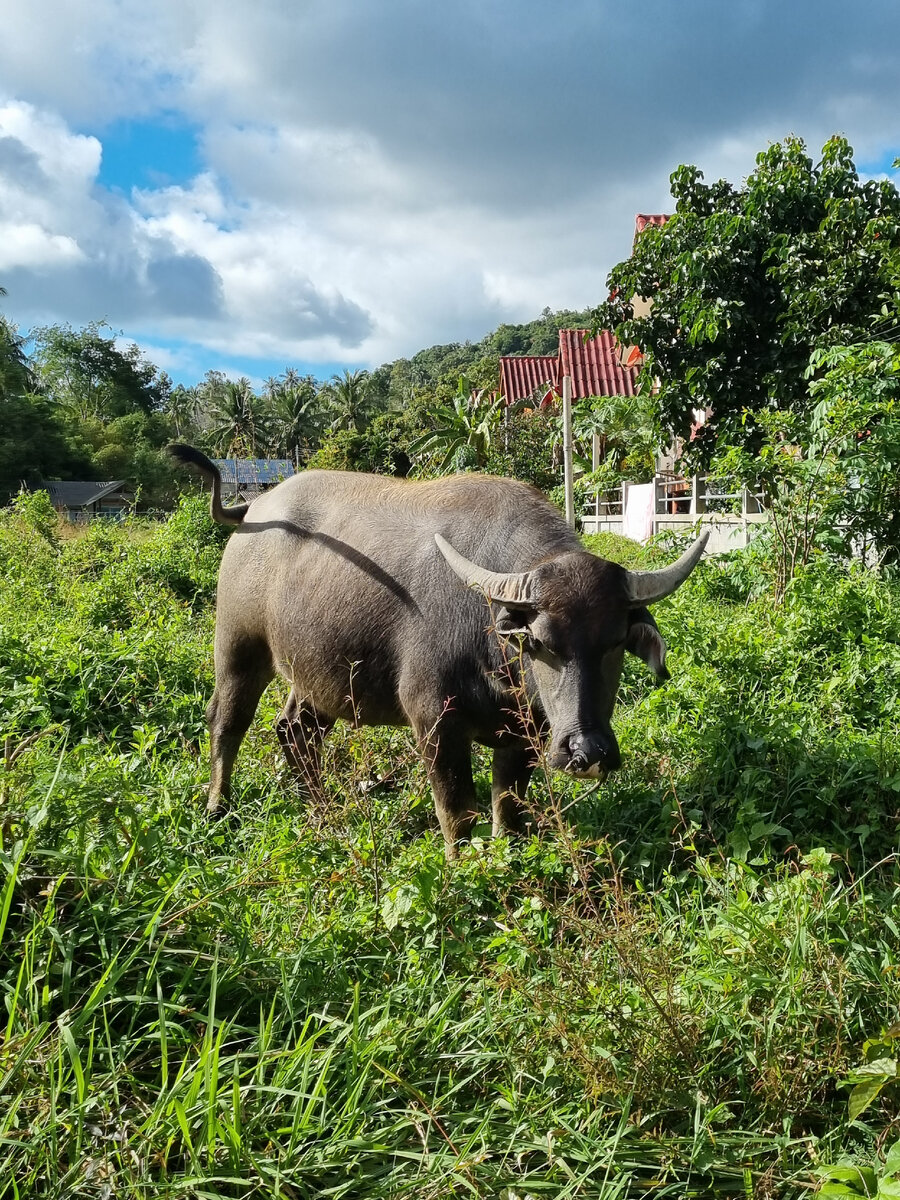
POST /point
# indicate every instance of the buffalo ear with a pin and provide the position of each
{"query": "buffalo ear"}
(512, 621)
(645, 641)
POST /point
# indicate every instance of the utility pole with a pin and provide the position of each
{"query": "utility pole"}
(567, 451)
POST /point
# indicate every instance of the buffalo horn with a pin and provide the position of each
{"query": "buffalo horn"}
(646, 587)
(517, 590)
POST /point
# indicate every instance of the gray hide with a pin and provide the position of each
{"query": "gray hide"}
(431, 604)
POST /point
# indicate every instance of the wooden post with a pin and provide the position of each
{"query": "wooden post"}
(567, 451)
(595, 465)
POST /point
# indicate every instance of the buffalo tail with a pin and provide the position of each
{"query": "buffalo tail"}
(189, 456)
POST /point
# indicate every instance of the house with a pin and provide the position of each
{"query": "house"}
(78, 500)
(245, 478)
(600, 366)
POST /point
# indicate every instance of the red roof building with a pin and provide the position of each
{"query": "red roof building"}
(591, 363)
(642, 220)
(597, 366)
(529, 376)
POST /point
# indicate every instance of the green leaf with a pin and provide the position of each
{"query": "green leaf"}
(863, 1095)
(862, 1178)
(892, 1159)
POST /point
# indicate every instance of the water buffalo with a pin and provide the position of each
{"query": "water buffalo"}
(434, 604)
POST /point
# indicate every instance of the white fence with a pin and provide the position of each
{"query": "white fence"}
(673, 502)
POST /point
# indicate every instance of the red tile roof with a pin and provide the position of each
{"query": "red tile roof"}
(593, 365)
(523, 375)
(642, 220)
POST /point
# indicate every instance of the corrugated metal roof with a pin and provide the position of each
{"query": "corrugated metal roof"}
(77, 493)
(523, 375)
(254, 471)
(593, 365)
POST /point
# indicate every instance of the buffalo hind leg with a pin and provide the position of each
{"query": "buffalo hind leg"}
(301, 731)
(241, 678)
(447, 753)
(512, 769)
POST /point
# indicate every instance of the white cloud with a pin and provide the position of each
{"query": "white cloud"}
(28, 245)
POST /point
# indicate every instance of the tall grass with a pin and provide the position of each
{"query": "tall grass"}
(659, 994)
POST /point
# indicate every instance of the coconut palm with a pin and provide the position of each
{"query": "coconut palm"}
(237, 422)
(183, 407)
(296, 415)
(15, 373)
(351, 400)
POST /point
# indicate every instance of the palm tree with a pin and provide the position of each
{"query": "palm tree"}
(183, 407)
(350, 400)
(622, 424)
(296, 415)
(16, 377)
(238, 424)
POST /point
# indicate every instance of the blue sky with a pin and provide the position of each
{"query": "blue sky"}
(153, 152)
(330, 184)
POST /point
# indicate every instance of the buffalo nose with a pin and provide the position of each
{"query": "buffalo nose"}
(589, 750)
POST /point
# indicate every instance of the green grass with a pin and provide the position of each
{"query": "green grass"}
(658, 996)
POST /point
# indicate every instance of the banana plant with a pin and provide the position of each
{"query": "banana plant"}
(464, 431)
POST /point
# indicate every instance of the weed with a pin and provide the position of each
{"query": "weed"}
(658, 992)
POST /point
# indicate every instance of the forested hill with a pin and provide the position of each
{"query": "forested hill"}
(74, 405)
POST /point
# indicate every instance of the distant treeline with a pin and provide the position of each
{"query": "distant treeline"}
(74, 404)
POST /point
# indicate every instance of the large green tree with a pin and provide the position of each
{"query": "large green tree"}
(86, 374)
(33, 441)
(746, 282)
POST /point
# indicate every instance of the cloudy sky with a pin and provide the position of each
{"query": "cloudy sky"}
(330, 183)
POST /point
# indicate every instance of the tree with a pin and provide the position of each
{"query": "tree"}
(625, 431)
(237, 422)
(747, 282)
(16, 376)
(34, 445)
(831, 481)
(85, 374)
(351, 401)
(183, 407)
(33, 442)
(462, 437)
(528, 448)
(384, 447)
(856, 390)
(536, 337)
(296, 415)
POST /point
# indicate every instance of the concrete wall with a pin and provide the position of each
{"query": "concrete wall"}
(726, 532)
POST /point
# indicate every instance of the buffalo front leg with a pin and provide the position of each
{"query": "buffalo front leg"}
(241, 678)
(447, 752)
(301, 730)
(512, 768)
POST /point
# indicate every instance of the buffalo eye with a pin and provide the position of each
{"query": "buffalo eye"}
(514, 622)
